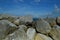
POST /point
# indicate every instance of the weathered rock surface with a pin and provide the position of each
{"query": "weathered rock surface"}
(55, 32)
(42, 37)
(43, 26)
(16, 22)
(3, 16)
(23, 27)
(17, 35)
(6, 28)
(51, 21)
(26, 28)
(7, 17)
(26, 19)
(31, 33)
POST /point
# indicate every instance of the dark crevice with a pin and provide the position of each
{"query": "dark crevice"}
(50, 36)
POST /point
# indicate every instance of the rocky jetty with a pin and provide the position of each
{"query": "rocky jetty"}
(25, 28)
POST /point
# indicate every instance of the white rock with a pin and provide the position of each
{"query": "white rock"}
(31, 33)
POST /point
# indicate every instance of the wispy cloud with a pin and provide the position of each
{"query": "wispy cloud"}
(56, 9)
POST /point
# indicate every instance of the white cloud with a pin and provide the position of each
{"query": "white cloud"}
(56, 9)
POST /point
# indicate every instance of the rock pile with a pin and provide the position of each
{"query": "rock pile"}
(25, 28)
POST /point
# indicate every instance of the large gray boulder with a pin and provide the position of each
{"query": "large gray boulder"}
(6, 28)
(19, 34)
(55, 32)
(42, 26)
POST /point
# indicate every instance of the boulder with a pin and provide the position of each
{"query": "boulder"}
(55, 32)
(31, 33)
(17, 35)
(42, 37)
(6, 28)
(25, 19)
(42, 26)
(51, 21)
(23, 27)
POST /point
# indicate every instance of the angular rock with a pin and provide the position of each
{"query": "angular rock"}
(42, 26)
(17, 35)
(51, 21)
(6, 28)
(42, 37)
(55, 32)
(58, 20)
(31, 33)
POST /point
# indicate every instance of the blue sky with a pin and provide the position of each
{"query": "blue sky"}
(28, 7)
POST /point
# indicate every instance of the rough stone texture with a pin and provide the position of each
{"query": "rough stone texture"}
(3, 16)
(42, 37)
(43, 26)
(7, 17)
(51, 21)
(6, 27)
(58, 20)
(16, 22)
(55, 32)
(17, 35)
(12, 18)
(26, 19)
(23, 27)
(31, 33)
